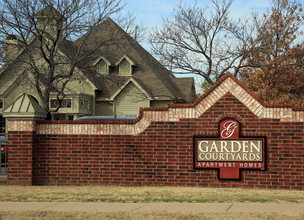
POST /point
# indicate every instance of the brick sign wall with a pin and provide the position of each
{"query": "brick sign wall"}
(158, 147)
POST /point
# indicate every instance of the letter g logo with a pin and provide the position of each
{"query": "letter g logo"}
(228, 129)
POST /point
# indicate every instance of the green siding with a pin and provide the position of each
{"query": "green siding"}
(125, 68)
(130, 100)
(104, 108)
(163, 103)
(17, 91)
(79, 86)
(102, 67)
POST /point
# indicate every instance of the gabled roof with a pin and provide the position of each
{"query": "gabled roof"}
(131, 80)
(101, 58)
(154, 78)
(65, 47)
(48, 12)
(149, 72)
(186, 86)
(25, 106)
(126, 58)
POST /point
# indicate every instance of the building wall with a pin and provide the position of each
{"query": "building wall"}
(160, 103)
(157, 148)
(125, 68)
(129, 100)
(14, 82)
(102, 67)
(13, 93)
(104, 108)
(18, 90)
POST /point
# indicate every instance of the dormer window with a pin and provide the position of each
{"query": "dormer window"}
(125, 66)
(102, 65)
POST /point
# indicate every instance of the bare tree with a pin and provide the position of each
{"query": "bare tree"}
(202, 40)
(38, 34)
(128, 23)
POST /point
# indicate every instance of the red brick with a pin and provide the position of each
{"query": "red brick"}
(161, 155)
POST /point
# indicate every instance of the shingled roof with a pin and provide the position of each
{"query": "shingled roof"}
(48, 12)
(149, 73)
(114, 44)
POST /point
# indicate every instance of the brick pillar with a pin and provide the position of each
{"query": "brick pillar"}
(21, 144)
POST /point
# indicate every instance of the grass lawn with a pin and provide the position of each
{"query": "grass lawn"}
(145, 194)
(141, 216)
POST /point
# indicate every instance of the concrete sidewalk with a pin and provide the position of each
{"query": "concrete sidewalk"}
(154, 207)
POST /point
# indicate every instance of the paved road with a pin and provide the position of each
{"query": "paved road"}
(148, 207)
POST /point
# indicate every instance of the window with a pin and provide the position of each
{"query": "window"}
(102, 67)
(84, 104)
(125, 68)
(1, 103)
(66, 103)
(125, 65)
(2, 125)
(70, 117)
(54, 103)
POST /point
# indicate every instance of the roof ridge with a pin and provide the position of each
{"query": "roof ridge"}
(160, 77)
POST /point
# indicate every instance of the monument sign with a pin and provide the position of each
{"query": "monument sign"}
(229, 152)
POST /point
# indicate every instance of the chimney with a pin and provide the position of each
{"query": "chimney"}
(49, 22)
(12, 47)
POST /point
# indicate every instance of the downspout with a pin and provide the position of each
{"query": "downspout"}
(94, 102)
(113, 105)
(114, 109)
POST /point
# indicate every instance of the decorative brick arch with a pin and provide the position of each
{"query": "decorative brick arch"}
(231, 115)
